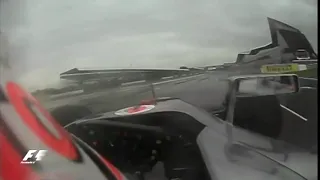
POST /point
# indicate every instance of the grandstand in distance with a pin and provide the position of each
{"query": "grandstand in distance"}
(287, 45)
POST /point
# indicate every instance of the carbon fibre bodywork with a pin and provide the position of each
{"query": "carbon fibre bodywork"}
(229, 152)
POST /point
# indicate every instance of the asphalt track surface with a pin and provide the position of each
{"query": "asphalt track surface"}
(205, 90)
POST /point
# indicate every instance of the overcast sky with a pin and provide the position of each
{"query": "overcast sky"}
(48, 37)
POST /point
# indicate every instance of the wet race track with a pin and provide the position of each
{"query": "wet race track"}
(206, 91)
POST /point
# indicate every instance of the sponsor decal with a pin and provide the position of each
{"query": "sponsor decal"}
(134, 110)
(279, 68)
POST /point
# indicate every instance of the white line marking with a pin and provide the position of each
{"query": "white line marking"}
(309, 60)
(286, 108)
(167, 77)
(307, 87)
(120, 71)
(313, 79)
(66, 94)
(134, 82)
(173, 80)
(124, 90)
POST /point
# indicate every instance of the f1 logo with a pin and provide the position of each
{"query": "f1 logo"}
(33, 155)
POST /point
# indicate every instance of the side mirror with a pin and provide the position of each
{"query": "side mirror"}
(258, 85)
(267, 85)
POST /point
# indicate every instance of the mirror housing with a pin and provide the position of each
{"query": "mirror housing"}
(254, 86)
(266, 85)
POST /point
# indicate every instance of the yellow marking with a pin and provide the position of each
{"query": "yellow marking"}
(279, 68)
